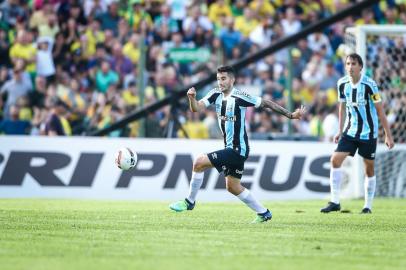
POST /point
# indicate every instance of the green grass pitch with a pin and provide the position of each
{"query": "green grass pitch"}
(81, 234)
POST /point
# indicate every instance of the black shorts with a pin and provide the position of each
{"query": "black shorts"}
(228, 161)
(366, 149)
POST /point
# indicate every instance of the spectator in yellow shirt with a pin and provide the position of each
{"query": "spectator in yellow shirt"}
(194, 128)
(310, 7)
(262, 8)
(94, 36)
(156, 90)
(130, 95)
(335, 5)
(219, 9)
(138, 14)
(50, 29)
(131, 48)
(25, 50)
(367, 17)
(246, 23)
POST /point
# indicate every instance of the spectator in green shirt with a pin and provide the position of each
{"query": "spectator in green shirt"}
(105, 77)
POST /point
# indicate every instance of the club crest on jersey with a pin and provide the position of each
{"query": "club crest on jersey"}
(376, 97)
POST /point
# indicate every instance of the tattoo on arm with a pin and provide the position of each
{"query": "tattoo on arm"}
(276, 108)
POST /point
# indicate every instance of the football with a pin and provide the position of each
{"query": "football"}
(125, 159)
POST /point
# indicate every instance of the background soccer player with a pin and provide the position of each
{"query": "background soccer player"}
(230, 105)
(360, 96)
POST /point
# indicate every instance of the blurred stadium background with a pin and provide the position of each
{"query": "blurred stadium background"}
(81, 78)
(106, 58)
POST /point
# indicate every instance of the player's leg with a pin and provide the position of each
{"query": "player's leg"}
(336, 175)
(201, 163)
(369, 185)
(345, 148)
(367, 151)
(233, 185)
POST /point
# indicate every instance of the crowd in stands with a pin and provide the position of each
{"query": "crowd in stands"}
(69, 67)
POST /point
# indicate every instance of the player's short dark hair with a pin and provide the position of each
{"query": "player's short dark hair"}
(356, 57)
(229, 69)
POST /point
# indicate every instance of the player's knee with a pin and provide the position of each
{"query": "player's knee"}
(230, 188)
(369, 166)
(335, 161)
(369, 170)
(233, 188)
(198, 164)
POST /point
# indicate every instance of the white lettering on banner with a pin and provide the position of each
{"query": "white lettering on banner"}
(78, 167)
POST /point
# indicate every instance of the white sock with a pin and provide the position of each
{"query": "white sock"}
(369, 187)
(335, 184)
(195, 184)
(247, 198)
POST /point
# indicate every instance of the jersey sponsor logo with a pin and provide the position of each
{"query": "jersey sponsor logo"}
(376, 97)
(357, 104)
(242, 94)
(227, 118)
(360, 101)
(239, 172)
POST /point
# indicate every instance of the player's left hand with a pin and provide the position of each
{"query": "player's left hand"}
(389, 141)
(298, 113)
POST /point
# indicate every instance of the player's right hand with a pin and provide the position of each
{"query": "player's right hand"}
(191, 93)
(337, 137)
(389, 141)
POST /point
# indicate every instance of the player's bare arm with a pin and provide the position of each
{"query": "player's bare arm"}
(195, 106)
(341, 113)
(382, 117)
(297, 114)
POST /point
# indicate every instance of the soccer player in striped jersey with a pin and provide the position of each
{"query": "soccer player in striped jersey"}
(360, 100)
(231, 105)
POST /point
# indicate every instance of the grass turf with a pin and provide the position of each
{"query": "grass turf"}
(79, 234)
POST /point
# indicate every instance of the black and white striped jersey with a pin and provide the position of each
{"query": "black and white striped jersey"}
(362, 119)
(231, 116)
